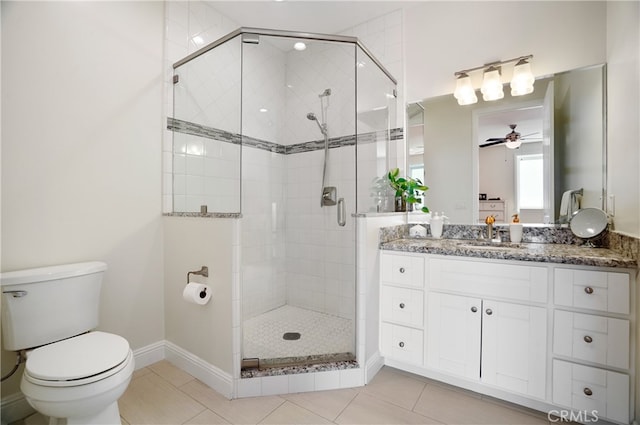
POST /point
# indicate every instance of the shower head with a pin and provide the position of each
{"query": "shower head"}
(326, 92)
(323, 127)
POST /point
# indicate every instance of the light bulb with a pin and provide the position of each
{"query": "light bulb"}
(522, 81)
(492, 85)
(464, 92)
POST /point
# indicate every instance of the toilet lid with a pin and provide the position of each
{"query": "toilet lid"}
(78, 357)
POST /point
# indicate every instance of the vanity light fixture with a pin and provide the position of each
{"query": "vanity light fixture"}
(521, 83)
(464, 93)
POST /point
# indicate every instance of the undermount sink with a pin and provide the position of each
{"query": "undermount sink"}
(490, 245)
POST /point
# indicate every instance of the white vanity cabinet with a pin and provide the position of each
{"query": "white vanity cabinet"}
(547, 336)
(498, 334)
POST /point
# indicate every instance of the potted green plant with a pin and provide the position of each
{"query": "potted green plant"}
(409, 191)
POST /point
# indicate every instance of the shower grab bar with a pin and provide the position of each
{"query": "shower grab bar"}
(342, 216)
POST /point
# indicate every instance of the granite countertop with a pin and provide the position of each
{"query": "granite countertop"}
(540, 252)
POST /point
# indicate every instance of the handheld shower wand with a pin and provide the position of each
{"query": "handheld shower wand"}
(325, 198)
(323, 127)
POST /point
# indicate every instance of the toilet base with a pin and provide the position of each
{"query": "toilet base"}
(109, 416)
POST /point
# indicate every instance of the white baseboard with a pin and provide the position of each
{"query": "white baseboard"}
(13, 408)
(150, 354)
(214, 377)
(373, 366)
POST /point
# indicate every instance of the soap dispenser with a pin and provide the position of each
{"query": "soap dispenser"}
(515, 229)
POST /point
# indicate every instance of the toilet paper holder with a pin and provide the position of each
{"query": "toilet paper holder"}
(204, 271)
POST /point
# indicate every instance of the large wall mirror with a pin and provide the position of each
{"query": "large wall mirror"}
(563, 149)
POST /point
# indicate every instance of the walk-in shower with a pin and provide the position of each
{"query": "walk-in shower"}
(242, 137)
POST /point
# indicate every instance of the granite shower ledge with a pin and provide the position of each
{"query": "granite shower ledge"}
(200, 215)
(539, 252)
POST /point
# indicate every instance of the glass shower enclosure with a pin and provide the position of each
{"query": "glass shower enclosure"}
(294, 133)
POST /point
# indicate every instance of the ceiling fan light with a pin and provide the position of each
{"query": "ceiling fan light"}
(464, 92)
(492, 85)
(513, 144)
(522, 81)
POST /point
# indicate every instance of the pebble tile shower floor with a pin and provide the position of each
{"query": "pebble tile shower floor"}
(263, 335)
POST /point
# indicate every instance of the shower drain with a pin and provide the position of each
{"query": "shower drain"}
(291, 336)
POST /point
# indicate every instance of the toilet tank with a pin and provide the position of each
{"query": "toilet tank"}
(47, 304)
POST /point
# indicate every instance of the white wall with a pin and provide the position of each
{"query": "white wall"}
(444, 37)
(81, 134)
(204, 331)
(623, 85)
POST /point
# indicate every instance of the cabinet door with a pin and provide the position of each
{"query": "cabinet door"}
(514, 347)
(453, 339)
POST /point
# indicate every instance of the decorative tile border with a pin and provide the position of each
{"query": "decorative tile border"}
(193, 129)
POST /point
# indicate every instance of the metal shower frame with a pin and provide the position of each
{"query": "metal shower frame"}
(289, 34)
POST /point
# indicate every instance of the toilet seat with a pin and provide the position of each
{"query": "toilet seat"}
(77, 361)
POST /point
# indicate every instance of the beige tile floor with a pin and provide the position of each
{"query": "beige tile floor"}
(163, 394)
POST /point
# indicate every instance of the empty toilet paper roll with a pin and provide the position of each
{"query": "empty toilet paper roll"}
(197, 293)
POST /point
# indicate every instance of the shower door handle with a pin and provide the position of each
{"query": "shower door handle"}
(342, 216)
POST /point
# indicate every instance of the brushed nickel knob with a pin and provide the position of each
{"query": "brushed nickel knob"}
(401, 305)
(401, 344)
(489, 312)
(587, 391)
(588, 339)
(474, 309)
(588, 290)
(401, 269)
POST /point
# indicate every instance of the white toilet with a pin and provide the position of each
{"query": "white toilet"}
(71, 375)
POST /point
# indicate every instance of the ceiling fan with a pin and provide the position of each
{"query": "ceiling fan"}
(512, 140)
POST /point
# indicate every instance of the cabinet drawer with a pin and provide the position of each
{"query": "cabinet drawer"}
(401, 343)
(403, 306)
(402, 269)
(592, 338)
(590, 389)
(595, 290)
(511, 281)
(491, 206)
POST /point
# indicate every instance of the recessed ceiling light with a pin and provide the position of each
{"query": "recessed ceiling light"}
(263, 109)
(299, 46)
